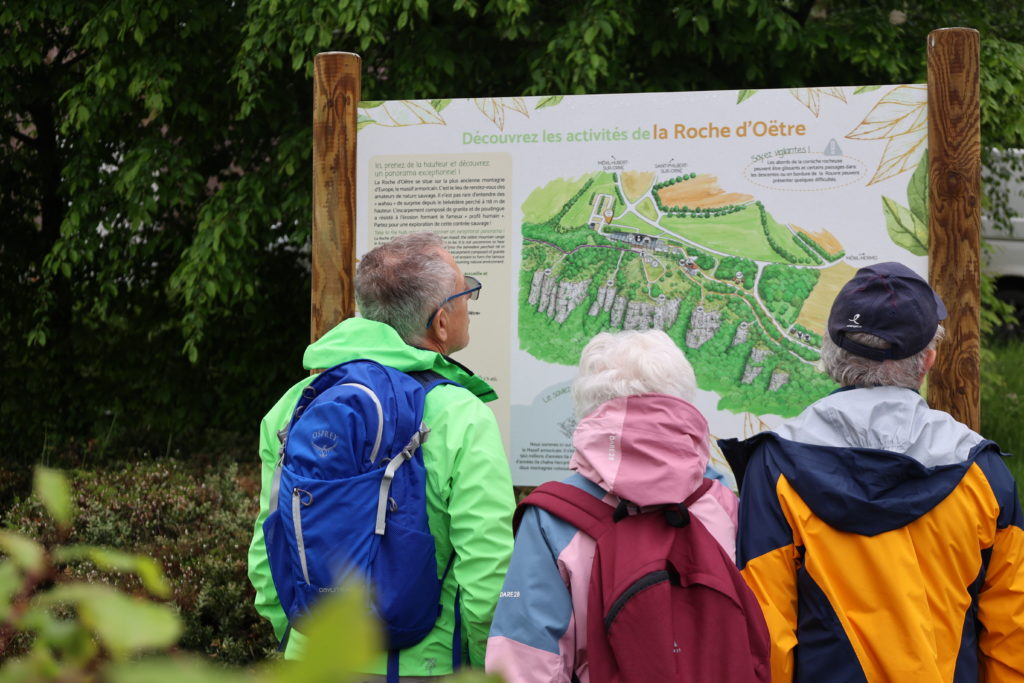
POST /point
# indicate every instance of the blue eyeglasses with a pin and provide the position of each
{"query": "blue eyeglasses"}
(473, 293)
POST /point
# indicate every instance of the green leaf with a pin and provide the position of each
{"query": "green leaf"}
(53, 490)
(342, 637)
(745, 95)
(146, 568)
(904, 228)
(19, 671)
(549, 101)
(25, 552)
(370, 104)
(67, 636)
(10, 584)
(125, 625)
(440, 105)
(865, 88)
(188, 669)
(702, 23)
(917, 190)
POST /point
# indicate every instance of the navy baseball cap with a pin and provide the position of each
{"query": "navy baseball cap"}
(889, 301)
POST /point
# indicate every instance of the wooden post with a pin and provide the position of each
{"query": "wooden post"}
(954, 217)
(336, 93)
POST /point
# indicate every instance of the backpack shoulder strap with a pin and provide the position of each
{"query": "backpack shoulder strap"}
(571, 504)
(429, 379)
(698, 492)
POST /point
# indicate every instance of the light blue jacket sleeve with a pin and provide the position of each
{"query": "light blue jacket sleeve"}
(533, 634)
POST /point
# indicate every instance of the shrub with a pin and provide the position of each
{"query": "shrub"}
(87, 631)
(196, 520)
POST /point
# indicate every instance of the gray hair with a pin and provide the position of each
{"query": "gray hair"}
(849, 369)
(401, 282)
(619, 364)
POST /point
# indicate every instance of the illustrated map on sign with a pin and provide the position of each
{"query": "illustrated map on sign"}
(744, 294)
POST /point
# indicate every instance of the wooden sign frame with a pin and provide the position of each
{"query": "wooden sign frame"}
(954, 199)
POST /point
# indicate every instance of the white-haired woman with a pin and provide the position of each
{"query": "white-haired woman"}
(639, 438)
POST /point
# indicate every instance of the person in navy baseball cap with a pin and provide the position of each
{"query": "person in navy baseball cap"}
(890, 301)
(876, 514)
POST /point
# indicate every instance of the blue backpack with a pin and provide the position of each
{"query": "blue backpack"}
(349, 498)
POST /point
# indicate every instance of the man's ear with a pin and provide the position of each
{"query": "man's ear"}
(438, 332)
(929, 360)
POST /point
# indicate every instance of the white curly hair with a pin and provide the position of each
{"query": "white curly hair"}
(619, 364)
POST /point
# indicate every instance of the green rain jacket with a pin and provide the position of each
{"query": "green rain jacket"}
(469, 494)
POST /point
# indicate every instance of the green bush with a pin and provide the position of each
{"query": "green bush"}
(57, 624)
(1002, 401)
(196, 520)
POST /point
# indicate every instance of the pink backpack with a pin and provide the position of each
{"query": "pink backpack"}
(666, 603)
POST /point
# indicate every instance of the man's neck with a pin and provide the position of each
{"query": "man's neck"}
(429, 345)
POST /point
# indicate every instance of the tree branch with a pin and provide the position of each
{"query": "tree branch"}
(802, 11)
(12, 132)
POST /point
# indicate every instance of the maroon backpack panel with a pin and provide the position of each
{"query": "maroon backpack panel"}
(666, 603)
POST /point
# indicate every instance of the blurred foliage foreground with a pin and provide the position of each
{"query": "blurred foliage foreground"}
(73, 611)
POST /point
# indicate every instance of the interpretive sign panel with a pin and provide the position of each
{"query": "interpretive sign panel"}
(728, 219)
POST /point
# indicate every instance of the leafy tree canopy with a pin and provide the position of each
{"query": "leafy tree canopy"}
(155, 165)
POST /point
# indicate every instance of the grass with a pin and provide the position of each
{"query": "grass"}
(737, 233)
(1002, 402)
(545, 202)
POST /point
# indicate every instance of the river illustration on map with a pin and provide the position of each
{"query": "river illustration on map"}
(744, 295)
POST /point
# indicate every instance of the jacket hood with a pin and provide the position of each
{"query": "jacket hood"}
(866, 460)
(650, 449)
(361, 338)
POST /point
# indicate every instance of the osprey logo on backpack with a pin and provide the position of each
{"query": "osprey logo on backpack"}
(361, 511)
(324, 442)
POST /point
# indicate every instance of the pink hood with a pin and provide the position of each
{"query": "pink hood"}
(650, 449)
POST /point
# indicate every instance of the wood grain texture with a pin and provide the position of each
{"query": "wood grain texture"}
(336, 93)
(954, 217)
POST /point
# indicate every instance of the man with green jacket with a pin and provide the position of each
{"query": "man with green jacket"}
(414, 301)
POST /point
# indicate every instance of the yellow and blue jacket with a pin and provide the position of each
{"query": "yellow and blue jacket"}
(884, 542)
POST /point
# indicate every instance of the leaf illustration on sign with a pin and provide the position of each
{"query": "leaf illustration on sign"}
(494, 108)
(549, 101)
(744, 95)
(753, 424)
(400, 113)
(811, 97)
(917, 190)
(901, 154)
(905, 228)
(901, 118)
(904, 109)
